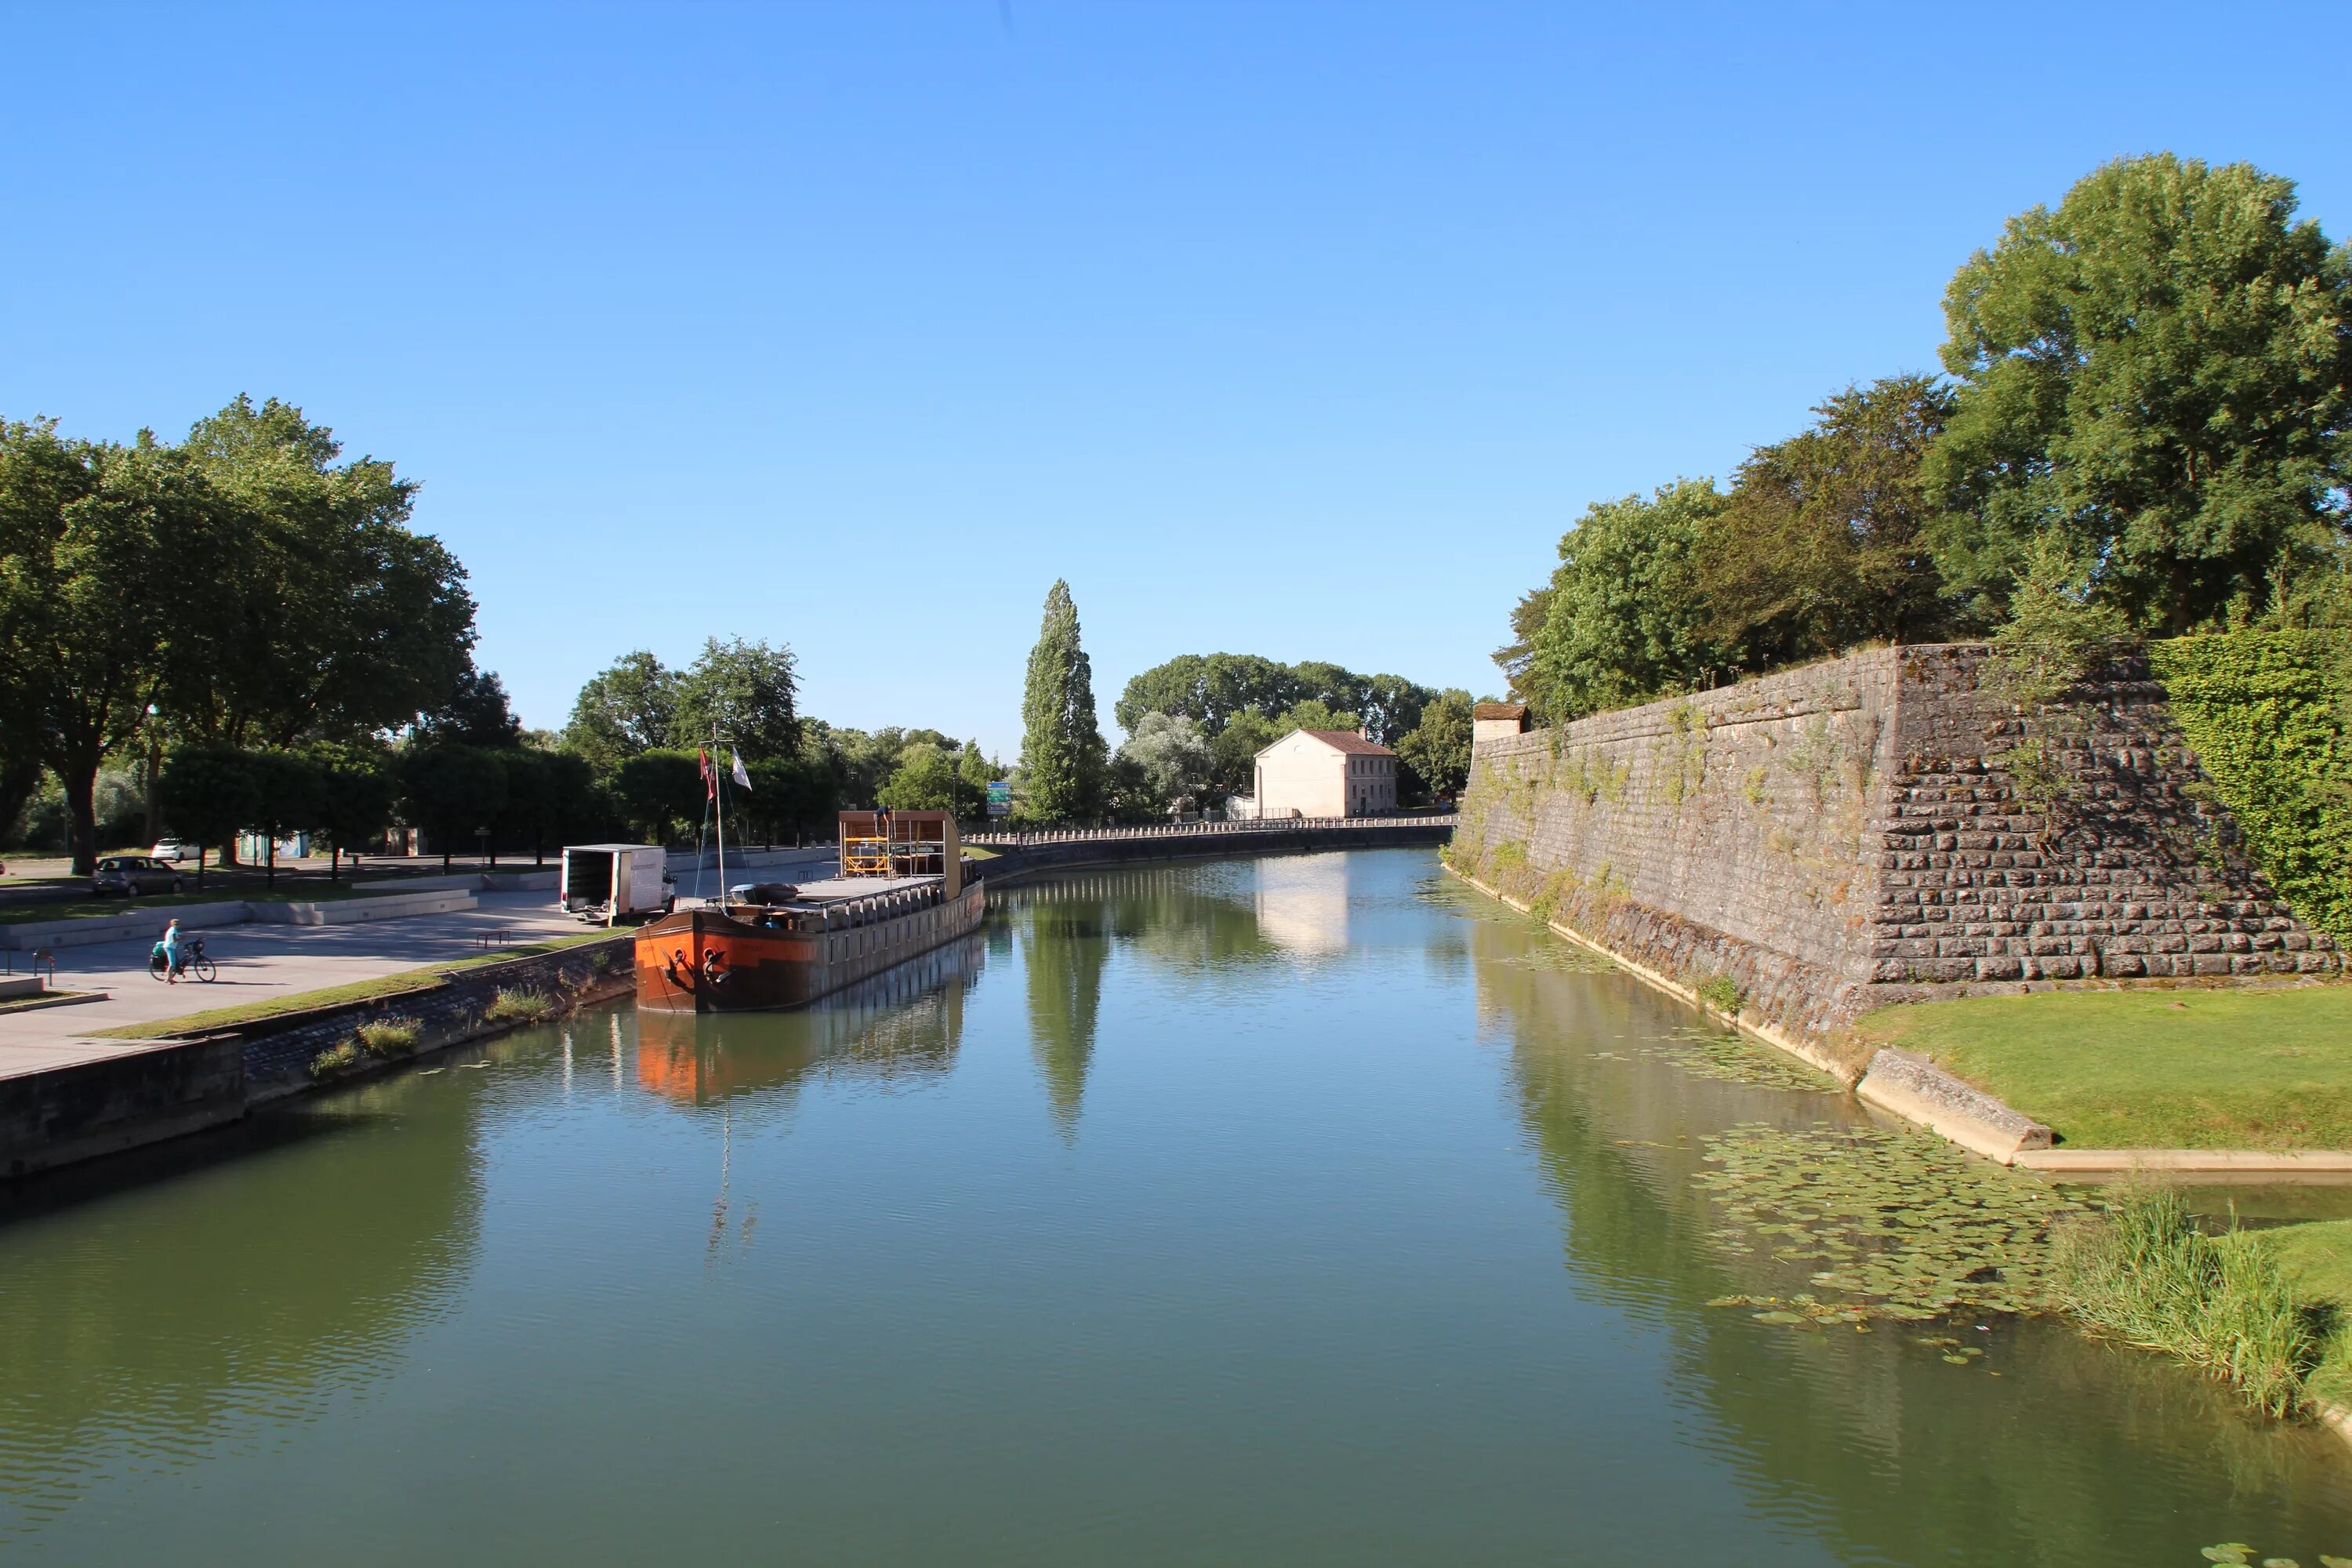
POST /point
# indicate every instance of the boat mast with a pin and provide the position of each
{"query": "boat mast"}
(719, 800)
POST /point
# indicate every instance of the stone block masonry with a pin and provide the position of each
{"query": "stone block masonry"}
(1826, 839)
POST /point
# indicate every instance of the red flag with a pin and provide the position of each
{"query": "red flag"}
(709, 774)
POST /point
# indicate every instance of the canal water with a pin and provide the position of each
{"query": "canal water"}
(1308, 1210)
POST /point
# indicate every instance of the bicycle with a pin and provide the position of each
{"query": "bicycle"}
(194, 961)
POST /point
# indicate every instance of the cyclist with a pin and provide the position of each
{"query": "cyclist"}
(172, 957)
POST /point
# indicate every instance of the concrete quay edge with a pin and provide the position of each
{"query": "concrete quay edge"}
(138, 921)
(2009, 1139)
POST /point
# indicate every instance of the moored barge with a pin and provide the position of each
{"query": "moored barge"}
(901, 891)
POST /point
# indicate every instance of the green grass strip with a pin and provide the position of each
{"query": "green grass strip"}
(2178, 1068)
(394, 985)
(98, 909)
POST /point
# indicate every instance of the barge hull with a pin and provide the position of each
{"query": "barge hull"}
(760, 969)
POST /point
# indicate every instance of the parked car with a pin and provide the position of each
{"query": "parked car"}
(131, 875)
(172, 849)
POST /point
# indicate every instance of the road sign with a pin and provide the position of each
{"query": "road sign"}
(1000, 797)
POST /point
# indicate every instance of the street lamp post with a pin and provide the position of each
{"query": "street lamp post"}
(154, 766)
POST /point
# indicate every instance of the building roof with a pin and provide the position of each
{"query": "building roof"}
(1348, 741)
(1499, 711)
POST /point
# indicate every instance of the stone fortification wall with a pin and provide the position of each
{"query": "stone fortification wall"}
(1829, 838)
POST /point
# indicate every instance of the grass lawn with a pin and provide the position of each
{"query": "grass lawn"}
(2317, 1258)
(91, 908)
(424, 979)
(2158, 1068)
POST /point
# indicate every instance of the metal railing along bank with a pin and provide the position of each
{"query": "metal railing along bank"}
(1369, 826)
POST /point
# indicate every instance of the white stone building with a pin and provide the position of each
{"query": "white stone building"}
(1325, 772)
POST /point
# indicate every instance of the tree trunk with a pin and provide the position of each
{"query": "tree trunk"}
(334, 863)
(18, 781)
(81, 816)
(200, 868)
(270, 876)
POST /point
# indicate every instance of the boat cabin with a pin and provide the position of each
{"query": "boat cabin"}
(902, 844)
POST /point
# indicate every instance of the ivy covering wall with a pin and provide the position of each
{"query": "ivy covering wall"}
(2269, 716)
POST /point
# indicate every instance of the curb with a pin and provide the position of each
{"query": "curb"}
(2317, 1165)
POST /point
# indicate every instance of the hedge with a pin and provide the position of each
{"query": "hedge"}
(2267, 713)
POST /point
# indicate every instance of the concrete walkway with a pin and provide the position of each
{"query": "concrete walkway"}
(258, 963)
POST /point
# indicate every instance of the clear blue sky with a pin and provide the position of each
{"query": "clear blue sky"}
(1301, 330)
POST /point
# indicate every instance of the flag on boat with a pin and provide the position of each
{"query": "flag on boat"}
(742, 779)
(709, 775)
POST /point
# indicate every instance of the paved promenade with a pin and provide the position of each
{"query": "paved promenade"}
(258, 962)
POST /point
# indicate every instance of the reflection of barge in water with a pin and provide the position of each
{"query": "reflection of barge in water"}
(901, 892)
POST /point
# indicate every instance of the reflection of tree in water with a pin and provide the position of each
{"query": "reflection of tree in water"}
(214, 1286)
(1066, 942)
(901, 1027)
(1870, 1434)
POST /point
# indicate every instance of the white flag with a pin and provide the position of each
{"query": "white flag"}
(742, 779)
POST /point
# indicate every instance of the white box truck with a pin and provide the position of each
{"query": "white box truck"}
(606, 882)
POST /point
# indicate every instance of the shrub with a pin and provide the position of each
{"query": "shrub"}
(1723, 994)
(522, 1005)
(335, 1058)
(389, 1036)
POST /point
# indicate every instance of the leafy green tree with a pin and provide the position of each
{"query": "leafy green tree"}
(628, 708)
(2160, 373)
(321, 614)
(451, 791)
(746, 690)
(924, 780)
(1823, 541)
(88, 532)
(474, 712)
(791, 798)
(1626, 621)
(974, 775)
(661, 793)
(1233, 752)
(290, 796)
(1062, 750)
(1211, 689)
(209, 795)
(356, 793)
(1169, 757)
(1436, 750)
(1517, 658)
(550, 795)
(1315, 714)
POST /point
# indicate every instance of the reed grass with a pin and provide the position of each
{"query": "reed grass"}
(520, 1006)
(2146, 1275)
(389, 1036)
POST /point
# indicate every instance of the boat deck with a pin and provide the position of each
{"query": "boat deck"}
(841, 889)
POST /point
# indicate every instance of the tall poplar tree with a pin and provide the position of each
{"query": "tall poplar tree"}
(1062, 749)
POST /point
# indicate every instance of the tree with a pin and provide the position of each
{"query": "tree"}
(1823, 541)
(321, 614)
(1517, 658)
(661, 793)
(789, 798)
(1211, 689)
(1170, 756)
(629, 709)
(746, 692)
(1062, 750)
(1626, 621)
(2160, 373)
(548, 793)
(452, 790)
(83, 552)
(1437, 749)
(1234, 753)
(289, 797)
(474, 712)
(209, 795)
(924, 780)
(974, 775)
(355, 801)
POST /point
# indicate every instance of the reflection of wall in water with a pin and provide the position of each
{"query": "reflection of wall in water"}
(1845, 1421)
(905, 1023)
(1302, 902)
